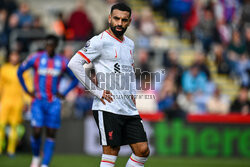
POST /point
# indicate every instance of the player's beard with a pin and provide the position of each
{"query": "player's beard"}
(117, 33)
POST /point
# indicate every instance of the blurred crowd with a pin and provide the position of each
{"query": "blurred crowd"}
(220, 27)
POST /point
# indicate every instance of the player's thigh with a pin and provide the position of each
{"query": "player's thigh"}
(110, 127)
(16, 113)
(37, 114)
(53, 114)
(4, 113)
(133, 131)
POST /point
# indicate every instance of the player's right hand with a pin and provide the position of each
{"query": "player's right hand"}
(107, 95)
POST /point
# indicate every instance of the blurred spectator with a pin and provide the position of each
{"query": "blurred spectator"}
(11, 25)
(9, 5)
(200, 61)
(25, 19)
(227, 10)
(59, 26)
(224, 32)
(147, 25)
(79, 25)
(3, 27)
(143, 58)
(180, 9)
(170, 59)
(194, 80)
(236, 46)
(241, 104)
(247, 38)
(227, 17)
(147, 28)
(193, 20)
(146, 88)
(37, 24)
(206, 29)
(68, 51)
(223, 63)
(186, 103)
(218, 103)
(13, 22)
(243, 70)
(167, 97)
(172, 65)
(194, 84)
(245, 16)
(157, 4)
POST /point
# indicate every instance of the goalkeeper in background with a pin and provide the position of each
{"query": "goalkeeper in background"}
(12, 101)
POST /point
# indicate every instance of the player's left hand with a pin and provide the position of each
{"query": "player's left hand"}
(60, 96)
(107, 95)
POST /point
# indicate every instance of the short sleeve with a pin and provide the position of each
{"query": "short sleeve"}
(91, 50)
(29, 61)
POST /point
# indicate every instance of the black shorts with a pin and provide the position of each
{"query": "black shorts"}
(118, 130)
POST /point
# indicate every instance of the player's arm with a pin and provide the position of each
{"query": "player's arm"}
(28, 78)
(76, 65)
(22, 68)
(133, 81)
(90, 52)
(133, 86)
(73, 83)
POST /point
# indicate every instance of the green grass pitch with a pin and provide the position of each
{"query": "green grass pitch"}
(64, 160)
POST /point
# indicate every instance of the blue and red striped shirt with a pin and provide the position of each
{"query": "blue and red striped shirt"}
(48, 72)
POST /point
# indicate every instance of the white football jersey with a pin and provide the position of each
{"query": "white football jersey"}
(113, 63)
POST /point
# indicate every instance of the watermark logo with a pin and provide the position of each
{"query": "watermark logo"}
(123, 78)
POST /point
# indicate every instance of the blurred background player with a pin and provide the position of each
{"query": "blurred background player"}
(46, 107)
(11, 113)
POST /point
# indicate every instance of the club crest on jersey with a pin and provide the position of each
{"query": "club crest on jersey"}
(111, 135)
(86, 46)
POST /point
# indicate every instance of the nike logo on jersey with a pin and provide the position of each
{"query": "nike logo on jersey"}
(115, 53)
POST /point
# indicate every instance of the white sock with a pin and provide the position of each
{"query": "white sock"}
(44, 166)
(135, 161)
(35, 161)
(108, 160)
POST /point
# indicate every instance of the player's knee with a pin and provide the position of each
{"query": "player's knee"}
(144, 151)
(111, 150)
(51, 133)
(37, 132)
